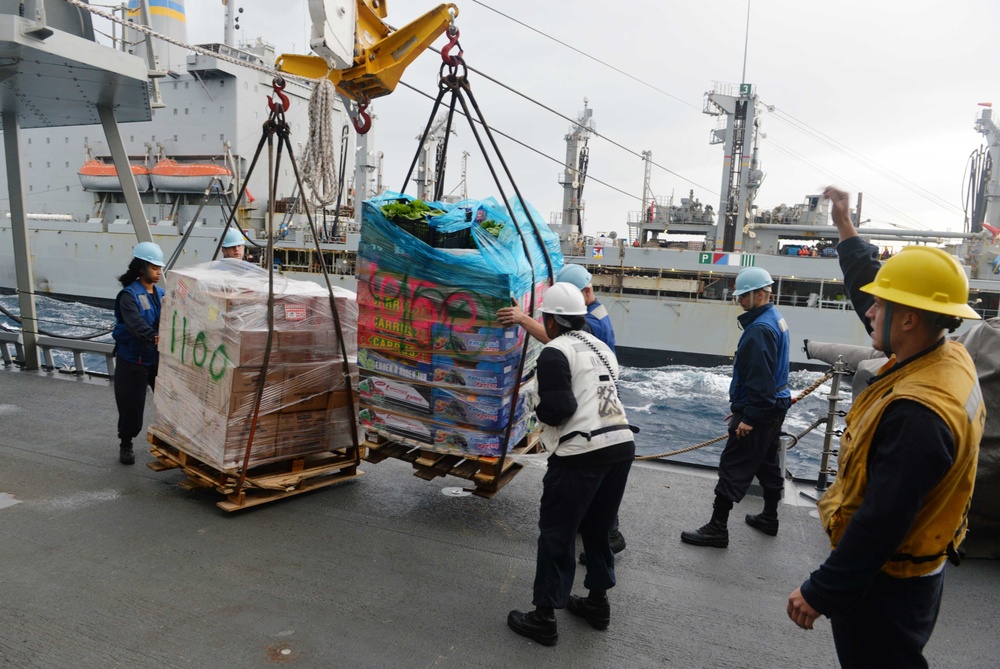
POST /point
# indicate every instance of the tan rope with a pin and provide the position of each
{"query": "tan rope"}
(703, 444)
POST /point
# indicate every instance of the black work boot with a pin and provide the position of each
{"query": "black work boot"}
(125, 454)
(715, 533)
(712, 534)
(763, 523)
(597, 612)
(535, 625)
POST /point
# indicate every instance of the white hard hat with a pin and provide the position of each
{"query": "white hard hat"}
(563, 299)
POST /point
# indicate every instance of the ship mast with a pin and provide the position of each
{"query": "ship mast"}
(570, 227)
(740, 174)
(988, 128)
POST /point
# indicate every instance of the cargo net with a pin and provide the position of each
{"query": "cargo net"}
(436, 367)
(213, 335)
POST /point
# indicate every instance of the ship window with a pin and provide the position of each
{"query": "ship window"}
(29, 140)
(202, 111)
(175, 111)
(67, 163)
(222, 137)
(48, 164)
(131, 138)
(29, 164)
(186, 85)
(256, 88)
(175, 138)
(48, 140)
(222, 110)
(66, 140)
(67, 187)
(30, 187)
(222, 83)
(187, 111)
(246, 85)
(256, 115)
(175, 85)
(203, 137)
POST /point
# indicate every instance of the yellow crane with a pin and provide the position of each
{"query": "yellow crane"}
(371, 64)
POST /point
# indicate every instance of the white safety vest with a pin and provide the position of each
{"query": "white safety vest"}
(600, 419)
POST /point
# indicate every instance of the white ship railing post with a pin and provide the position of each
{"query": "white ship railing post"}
(19, 231)
(822, 481)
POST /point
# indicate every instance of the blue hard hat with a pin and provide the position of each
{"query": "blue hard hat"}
(233, 238)
(750, 279)
(574, 274)
(149, 252)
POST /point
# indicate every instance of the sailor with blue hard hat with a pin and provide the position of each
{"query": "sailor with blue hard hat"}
(137, 322)
(759, 397)
(233, 244)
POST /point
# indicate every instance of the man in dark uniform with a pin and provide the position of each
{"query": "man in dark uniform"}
(899, 505)
(759, 398)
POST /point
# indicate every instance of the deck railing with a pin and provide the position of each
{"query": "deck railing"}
(49, 344)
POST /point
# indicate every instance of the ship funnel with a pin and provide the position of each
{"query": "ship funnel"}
(166, 17)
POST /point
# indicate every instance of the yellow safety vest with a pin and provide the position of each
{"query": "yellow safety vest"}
(945, 381)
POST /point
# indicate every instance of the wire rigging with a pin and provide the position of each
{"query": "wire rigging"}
(527, 146)
(896, 178)
(796, 156)
(586, 55)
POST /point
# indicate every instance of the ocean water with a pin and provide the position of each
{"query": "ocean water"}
(674, 407)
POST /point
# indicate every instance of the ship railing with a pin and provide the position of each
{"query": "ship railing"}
(49, 344)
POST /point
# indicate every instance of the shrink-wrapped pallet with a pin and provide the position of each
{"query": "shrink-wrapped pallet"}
(436, 366)
(213, 337)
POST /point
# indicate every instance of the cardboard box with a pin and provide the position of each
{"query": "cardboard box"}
(395, 394)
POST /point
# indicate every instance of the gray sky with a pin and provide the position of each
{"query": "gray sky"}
(895, 82)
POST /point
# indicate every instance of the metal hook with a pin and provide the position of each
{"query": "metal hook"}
(363, 121)
(278, 87)
(446, 56)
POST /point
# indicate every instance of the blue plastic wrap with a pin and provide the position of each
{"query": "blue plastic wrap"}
(497, 266)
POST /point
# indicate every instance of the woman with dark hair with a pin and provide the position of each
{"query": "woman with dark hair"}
(137, 320)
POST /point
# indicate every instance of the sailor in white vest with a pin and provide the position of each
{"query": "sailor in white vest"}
(590, 440)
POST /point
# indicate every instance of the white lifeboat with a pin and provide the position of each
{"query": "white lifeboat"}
(99, 176)
(173, 177)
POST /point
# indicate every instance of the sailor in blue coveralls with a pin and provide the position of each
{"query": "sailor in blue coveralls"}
(137, 321)
(759, 398)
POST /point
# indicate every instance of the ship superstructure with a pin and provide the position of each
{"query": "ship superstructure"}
(197, 145)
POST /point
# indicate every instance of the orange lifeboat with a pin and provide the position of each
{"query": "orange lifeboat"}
(99, 176)
(173, 177)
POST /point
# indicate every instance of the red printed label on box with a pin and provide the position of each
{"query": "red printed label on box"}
(182, 289)
(295, 312)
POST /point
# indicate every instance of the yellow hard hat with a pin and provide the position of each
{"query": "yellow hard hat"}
(925, 278)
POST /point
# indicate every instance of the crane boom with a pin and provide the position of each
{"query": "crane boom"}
(380, 55)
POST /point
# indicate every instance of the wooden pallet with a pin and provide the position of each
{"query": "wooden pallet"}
(264, 483)
(487, 474)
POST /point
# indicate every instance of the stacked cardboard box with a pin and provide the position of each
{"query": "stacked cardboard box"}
(213, 338)
(436, 366)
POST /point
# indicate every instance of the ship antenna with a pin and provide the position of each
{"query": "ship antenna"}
(746, 44)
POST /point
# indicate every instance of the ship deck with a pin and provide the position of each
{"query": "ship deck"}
(107, 565)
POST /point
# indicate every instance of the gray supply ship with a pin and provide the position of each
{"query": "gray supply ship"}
(669, 300)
